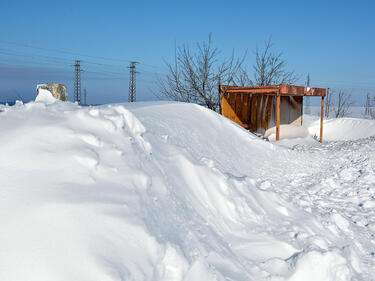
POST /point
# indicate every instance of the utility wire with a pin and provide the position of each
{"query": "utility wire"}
(67, 62)
(58, 51)
(63, 61)
(74, 54)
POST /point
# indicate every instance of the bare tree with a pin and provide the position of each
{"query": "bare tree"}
(242, 78)
(344, 102)
(195, 75)
(270, 67)
(328, 103)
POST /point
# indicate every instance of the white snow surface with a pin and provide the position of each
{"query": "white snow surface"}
(344, 129)
(45, 96)
(174, 191)
(287, 131)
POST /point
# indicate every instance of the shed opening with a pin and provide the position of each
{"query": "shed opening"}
(260, 108)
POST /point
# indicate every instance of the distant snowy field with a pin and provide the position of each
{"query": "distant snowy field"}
(173, 191)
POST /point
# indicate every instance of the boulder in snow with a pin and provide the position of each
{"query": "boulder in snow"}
(58, 91)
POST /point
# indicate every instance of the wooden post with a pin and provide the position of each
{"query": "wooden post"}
(321, 119)
(278, 117)
(221, 98)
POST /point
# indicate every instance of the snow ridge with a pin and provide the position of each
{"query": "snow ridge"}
(173, 191)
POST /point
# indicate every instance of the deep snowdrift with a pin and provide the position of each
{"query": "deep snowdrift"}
(344, 129)
(166, 191)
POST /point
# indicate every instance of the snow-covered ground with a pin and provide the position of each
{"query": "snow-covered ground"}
(354, 111)
(173, 191)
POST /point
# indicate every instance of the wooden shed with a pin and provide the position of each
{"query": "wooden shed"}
(263, 107)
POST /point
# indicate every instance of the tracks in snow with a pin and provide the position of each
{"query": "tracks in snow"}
(335, 183)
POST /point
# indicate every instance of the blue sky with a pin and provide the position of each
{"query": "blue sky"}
(39, 40)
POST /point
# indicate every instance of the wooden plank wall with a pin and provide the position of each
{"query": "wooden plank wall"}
(228, 107)
(258, 112)
(236, 107)
(291, 110)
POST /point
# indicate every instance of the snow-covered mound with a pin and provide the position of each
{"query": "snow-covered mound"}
(172, 191)
(344, 129)
(335, 129)
(287, 131)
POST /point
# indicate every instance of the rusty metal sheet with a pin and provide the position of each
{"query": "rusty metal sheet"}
(301, 90)
(276, 89)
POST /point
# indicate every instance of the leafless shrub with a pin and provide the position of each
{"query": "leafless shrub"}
(270, 68)
(328, 103)
(195, 74)
(344, 102)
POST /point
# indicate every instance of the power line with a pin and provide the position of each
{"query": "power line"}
(50, 58)
(108, 59)
(63, 62)
(58, 61)
(152, 72)
(17, 63)
(132, 81)
(154, 66)
(77, 54)
(77, 82)
(58, 51)
(35, 63)
(106, 72)
(110, 69)
(54, 59)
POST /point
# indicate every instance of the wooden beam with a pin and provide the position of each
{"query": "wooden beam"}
(321, 119)
(265, 91)
(301, 91)
(285, 90)
(278, 117)
(233, 88)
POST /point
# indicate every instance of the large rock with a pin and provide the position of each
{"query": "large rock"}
(58, 91)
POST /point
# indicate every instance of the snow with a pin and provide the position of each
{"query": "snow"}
(174, 191)
(287, 131)
(344, 129)
(327, 266)
(45, 96)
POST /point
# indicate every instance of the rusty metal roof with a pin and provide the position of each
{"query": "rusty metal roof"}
(284, 90)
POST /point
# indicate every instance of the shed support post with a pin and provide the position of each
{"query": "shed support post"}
(321, 119)
(278, 117)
